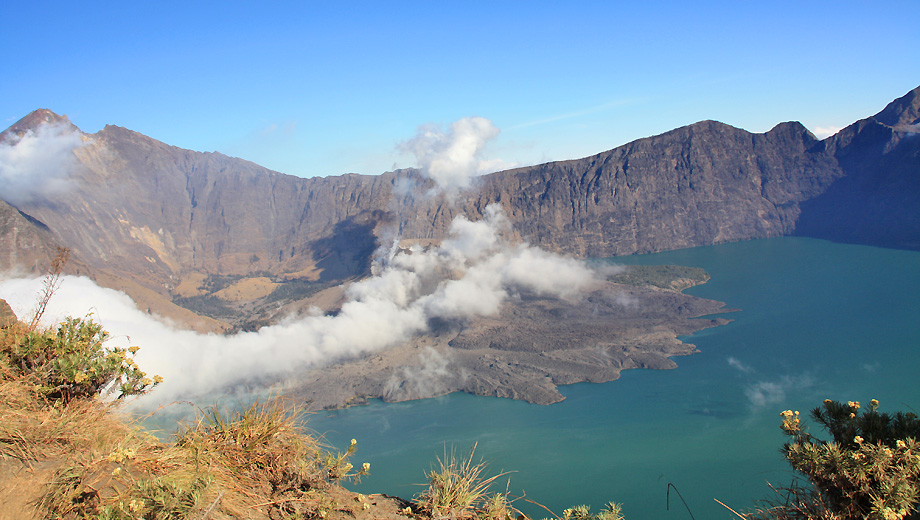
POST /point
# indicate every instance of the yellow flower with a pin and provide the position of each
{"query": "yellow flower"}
(79, 377)
(874, 403)
(146, 381)
(367, 466)
(134, 349)
(157, 380)
(890, 514)
(852, 415)
(353, 442)
(853, 404)
(900, 444)
(858, 439)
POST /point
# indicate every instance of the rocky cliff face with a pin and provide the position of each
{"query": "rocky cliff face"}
(877, 200)
(702, 184)
(24, 243)
(184, 225)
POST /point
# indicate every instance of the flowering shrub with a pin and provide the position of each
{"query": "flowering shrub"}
(869, 470)
(72, 361)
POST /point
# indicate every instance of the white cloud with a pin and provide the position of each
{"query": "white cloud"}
(736, 363)
(38, 164)
(823, 132)
(627, 300)
(426, 379)
(453, 158)
(471, 274)
(770, 393)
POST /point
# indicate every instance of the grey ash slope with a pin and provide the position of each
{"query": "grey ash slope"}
(526, 351)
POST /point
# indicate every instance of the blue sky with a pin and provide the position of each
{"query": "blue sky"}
(325, 88)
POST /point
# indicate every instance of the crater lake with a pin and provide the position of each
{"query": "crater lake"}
(816, 320)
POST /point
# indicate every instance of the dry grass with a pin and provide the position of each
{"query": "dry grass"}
(247, 289)
(77, 458)
(33, 427)
(252, 464)
(257, 463)
(190, 285)
(457, 489)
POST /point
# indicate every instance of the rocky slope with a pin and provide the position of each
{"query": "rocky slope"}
(25, 243)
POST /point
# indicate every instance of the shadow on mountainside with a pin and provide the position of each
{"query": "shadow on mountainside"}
(348, 251)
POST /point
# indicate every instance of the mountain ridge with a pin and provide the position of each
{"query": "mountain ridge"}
(161, 217)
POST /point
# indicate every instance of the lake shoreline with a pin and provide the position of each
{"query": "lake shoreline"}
(533, 346)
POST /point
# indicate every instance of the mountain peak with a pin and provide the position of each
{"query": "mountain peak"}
(35, 119)
(904, 111)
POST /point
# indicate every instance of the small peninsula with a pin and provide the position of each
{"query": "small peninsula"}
(630, 320)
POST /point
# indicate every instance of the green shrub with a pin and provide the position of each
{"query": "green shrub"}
(612, 511)
(72, 361)
(869, 470)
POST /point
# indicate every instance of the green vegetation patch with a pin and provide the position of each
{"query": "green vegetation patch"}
(210, 306)
(296, 289)
(670, 277)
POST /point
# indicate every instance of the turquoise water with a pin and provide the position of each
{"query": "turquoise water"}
(818, 320)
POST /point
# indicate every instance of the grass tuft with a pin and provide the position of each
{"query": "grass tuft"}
(457, 489)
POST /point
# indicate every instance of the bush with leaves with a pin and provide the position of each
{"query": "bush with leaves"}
(869, 470)
(612, 511)
(73, 362)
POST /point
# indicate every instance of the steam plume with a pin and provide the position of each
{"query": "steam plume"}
(453, 158)
(471, 274)
(37, 164)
